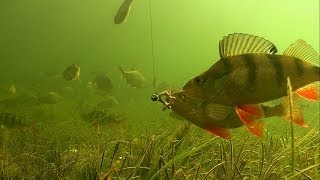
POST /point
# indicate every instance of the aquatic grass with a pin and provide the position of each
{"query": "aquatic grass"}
(72, 149)
(183, 155)
(317, 161)
(289, 94)
(302, 171)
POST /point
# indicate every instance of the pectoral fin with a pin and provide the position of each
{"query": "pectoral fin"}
(217, 112)
(221, 132)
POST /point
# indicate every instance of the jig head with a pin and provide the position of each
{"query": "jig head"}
(165, 98)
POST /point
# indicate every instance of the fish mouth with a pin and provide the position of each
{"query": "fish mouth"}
(191, 95)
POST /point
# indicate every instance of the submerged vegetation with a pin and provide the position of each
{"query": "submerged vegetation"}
(55, 124)
(72, 149)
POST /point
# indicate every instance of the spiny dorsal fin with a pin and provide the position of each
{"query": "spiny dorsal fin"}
(301, 50)
(238, 43)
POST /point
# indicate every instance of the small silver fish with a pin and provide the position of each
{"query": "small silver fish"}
(103, 116)
(108, 102)
(53, 75)
(19, 102)
(122, 12)
(134, 78)
(12, 90)
(72, 72)
(67, 91)
(102, 82)
(50, 98)
(11, 120)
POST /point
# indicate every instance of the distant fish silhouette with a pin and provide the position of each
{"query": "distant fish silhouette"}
(122, 12)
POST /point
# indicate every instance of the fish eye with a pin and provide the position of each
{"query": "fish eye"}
(198, 80)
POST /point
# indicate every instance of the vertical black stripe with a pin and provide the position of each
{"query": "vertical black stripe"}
(299, 66)
(220, 72)
(277, 65)
(252, 68)
(227, 65)
(316, 70)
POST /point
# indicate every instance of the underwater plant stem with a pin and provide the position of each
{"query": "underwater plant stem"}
(197, 172)
(289, 90)
(231, 160)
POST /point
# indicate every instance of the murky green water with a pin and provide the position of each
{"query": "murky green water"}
(76, 138)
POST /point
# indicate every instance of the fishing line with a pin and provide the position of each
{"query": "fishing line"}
(152, 49)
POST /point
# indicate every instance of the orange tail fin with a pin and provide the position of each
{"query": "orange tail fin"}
(310, 92)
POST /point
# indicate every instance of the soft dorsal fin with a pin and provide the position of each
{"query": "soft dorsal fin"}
(238, 43)
(301, 50)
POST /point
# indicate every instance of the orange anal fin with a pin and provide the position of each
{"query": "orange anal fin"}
(310, 92)
(222, 132)
(248, 114)
(257, 130)
(297, 117)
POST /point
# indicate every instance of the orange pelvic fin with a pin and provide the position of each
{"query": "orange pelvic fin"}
(249, 114)
(222, 132)
(310, 92)
(257, 130)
